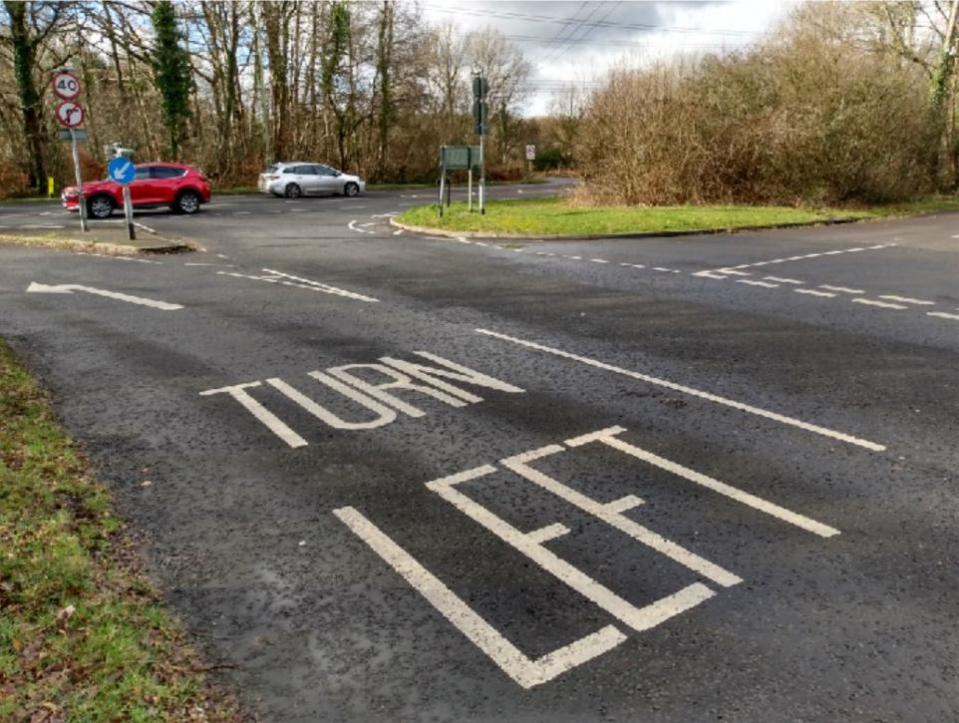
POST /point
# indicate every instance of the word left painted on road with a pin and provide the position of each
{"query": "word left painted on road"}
(375, 397)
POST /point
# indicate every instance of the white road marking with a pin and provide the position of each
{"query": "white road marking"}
(195, 263)
(279, 277)
(70, 288)
(764, 284)
(40, 226)
(843, 289)
(323, 287)
(732, 269)
(612, 514)
(709, 275)
(398, 232)
(749, 409)
(129, 259)
(638, 619)
(575, 258)
(883, 304)
(264, 415)
(526, 672)
(609, 438)
(661, 268)
(599, 261)
(733, 272)
(813, 292)
(943, 315)
(907, 300)
(782, 280)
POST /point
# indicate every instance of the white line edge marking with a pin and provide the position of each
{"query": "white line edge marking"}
(130, 299)
(943, 315)
(526, 672)
(608, 437)
(791, 421)
(814, 292)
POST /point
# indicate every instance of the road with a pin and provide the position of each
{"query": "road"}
(395, 477)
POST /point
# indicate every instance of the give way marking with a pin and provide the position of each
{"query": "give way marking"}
(525, 671)
(36, 288)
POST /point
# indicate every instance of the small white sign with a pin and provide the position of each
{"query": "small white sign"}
(530, 152)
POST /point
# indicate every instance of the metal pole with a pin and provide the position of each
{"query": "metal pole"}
(482, 183)
(448, 188)
(469, 190)
(81, 201)
(442, 179)
(128, 212)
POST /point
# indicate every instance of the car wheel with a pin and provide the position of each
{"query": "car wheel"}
(293, 191)
(100, 207)
(188, 202)
(351, 189)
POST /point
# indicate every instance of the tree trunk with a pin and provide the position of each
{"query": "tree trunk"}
(24, 61)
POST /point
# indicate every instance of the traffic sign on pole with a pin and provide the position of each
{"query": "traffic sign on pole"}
(65, 85)
(70, 114)
(121, 170)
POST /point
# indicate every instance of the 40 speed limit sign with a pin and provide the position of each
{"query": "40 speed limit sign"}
(66, 85)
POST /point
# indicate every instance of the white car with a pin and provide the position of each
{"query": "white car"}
(308, 179)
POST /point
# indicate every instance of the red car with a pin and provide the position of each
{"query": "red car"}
(182, 188)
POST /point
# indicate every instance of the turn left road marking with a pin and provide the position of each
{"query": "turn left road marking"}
(35, 288)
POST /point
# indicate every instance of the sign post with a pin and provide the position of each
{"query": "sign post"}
(66, 86)
(530, 157)
(121, 170)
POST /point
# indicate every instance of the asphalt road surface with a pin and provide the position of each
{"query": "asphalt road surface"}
(403, 478)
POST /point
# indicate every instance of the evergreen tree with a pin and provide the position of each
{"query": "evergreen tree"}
(171, 69)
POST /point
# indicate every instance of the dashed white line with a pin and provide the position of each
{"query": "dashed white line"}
(782, 280)
(764, 284)
(813, 292)
(599, 261)
(843, 289)
(943, 315)
(907, 300)
(749, 409)
(883, 304)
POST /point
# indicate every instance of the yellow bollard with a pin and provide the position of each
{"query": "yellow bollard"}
(49, 186)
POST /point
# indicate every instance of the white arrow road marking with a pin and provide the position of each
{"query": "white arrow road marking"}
(70, 288)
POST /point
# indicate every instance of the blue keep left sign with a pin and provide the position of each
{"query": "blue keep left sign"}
(121, 170)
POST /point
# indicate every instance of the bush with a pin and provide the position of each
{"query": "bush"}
(800, 119)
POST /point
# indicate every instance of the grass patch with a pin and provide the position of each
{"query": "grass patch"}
(82, 634)
(555, 217)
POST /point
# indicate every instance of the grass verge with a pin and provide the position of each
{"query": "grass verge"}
(82, 634)
(554, 217)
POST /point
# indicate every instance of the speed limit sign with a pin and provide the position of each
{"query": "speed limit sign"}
(66, 85)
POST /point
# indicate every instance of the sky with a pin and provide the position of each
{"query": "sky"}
(579, 41)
